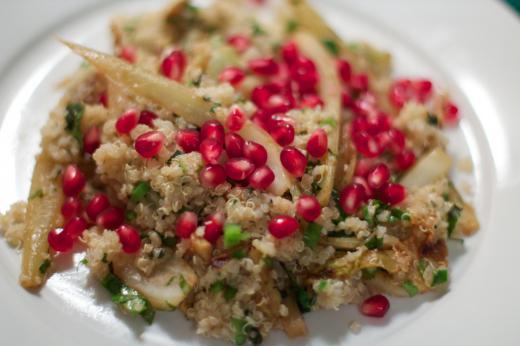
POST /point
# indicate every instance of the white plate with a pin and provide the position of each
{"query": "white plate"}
(472, 49)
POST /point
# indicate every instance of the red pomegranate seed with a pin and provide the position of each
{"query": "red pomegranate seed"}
(75, 227)
(240, 42)
(149, 144)
(308, 208)
(399, 92)
(212, 175)
(351, 198)
(358, 124)
(375, 306)
(70, 207)
(126, 122)
(396, 140)
(362, 167)
(378, 123)
(365, 104)
(392, 193)
(188, 140)
(212, 129)
(261, 118)
(451, 114)
(73, 180)
(290, 52)
(366, 145)
(239, 168)
(235, 120)
(213, 227)
(211, 150)
(92, 140)
(404, 160)
(378, 176)
(303, 72)
(129, 238)
(186, 224)
(311, 101)
(231, 75)
(318, 143)
(263, 66)
(147, 118)
(234, 145)
(282, 132)
(359, 82)
(261, 178)
(346, 99)
(96, 205)
(344, 70)
(110, 218)
(363, 182)
(128, 53)
(173, 65)
(255, 152)
(59, 240)
(272, 98)
(103, 99)
(283, 226)
(423, 89)
(293, 161)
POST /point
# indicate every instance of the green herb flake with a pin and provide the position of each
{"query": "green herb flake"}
(184, 285)
(332, 46)
(312, 234)
(453, 218)
(329, 122)
(104, 259)
(169, 241)
(233, 235)
(342, 214)
(440, 277)
(432, 119)
(140, 191)
(397, 214)
(292, 26)
(239, 327)
(239, 254)
(229, 292)
(322, 285)
(44, 266)
(206, 98)
(174, 155)
(374, 243)
(214, 107)
(421, 265)
(217, 286)
(84, 261)
(196, 82)
(305, 299)
(130, 215)
(410, 288)
(73, 115)
(257, 30)
(369, 273)
(36, 194)
(268, 261)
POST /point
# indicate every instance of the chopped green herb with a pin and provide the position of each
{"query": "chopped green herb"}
(410, 288)
(185, 286)
(421, 265)
(214, 107)
(169, 241)
(217, 286)
(130, 215)
(229, 292)
(73, 117)
(374, 243)
(292, 26)
(315, 187)
(312, 234)
(140, 191)
(304, 299)
(170, 281)
(453, 218)
(44, 266)
(206, 98)
(192, 8)
(342, 214)
(233, 235)
(104, 259)
(174, 155)
(440, 277)
(84, 261)
(397, 214)
(432, 119)
(257, 30)
(369, 273)
(371, 210)
(239, 327)
(329, 121)
(36, 194)
(322, 285)
(239, 254)
(196, 82)
(332, 46)
(446, 196)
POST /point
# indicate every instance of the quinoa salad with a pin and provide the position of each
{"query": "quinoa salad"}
(243, 164)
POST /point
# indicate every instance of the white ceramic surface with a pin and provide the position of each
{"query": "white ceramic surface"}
(470, 48)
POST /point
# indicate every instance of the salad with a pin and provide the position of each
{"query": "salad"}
(245, 170)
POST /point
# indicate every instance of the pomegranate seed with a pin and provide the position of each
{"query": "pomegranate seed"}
(188, 140)
(96, 205)
(129, 238)
(263, 66)
(308, 208)
(213, 227)
(147, 118)
(212, 175)
(103, 99)
(70, 207)
(318, 143)
(375, 306)
(110, 218)
(378, 123)
(311, 101)
(399, 92)
(303, 72)
(212, 129)
(73, 180)
(186, 224)
(282, 132)
(404, 160)
(362, 167)
(261, 178)
(149, 143)
(344, 70)
(378, 176)
(126, 122)
(234, 145)
(272, 98)
(290, 52)
(240, 42)
(173, 65)
(423, 89)
(359, 82)
(255, 152)
(211, 150)
(346, 99)
(239, 168)
(351, 198)
(261, 118)
(358, 124)
(366, 145)
(451, 114)
(392, 193)
(75, 227)
(235, 120)
(128, 53)
(283, 226)
(363, 182)
(396, 140)
(231, 75)
(92, 140)
(59, 240)
(293, 161)
(365, 104)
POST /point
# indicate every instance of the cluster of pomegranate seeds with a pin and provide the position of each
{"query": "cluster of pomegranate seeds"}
(308, 208)
(186, 224)
(129, 238)
(188, 140)
(149, 143)
(293, 161)
(212, 175)
(173, 65)
(283, 226)
(127, 122)
(232, 75)
(212, 129)
(92, 140)
(282, 131)
(213, 227)
(235, 120)
(73, 180)
(264, 66)
(375, 306)
(147, 117)
(318, 143)
(128, 53)
(240, 42)
(404, 90)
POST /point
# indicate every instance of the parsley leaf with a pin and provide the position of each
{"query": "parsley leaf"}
(453, 218)
(332, 46)
(410, 288)
(440, 277)
(36, 194)
(369, 273)
(292, 26)
(312, 234)
(73, 117)
(44, 266)
(304, 299)
(140, 191)
(374, 243)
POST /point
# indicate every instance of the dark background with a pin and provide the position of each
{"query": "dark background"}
(514, 4)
